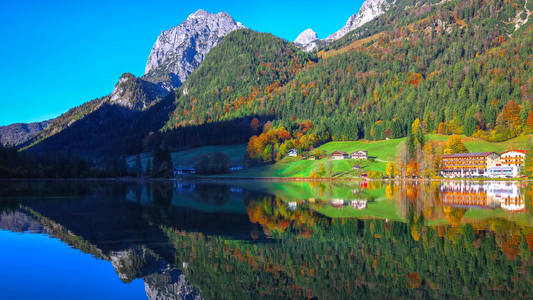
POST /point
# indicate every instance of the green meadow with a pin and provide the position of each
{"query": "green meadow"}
(381, 151)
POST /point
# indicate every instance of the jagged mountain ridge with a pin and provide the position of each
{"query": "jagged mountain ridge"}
(371, 9)
(179, 51)
(368, 12)
(19, 133)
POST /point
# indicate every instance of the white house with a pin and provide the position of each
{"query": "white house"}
(359, 155)
(338, 155)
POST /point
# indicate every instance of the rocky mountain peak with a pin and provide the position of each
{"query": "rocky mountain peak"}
(307, 40)
(135, 93)
(198, 14)
(179, 51)
(369, 11)
(306, 37)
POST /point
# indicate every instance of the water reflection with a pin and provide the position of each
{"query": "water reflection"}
(292, 240)
(483, 195)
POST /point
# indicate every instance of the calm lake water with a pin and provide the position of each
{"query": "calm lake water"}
(252, 240)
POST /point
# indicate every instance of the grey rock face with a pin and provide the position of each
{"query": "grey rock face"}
(19, 133)
(170, 284)
(369, 11)
(135, 93)
(161, 281)
(135, 263)
(307, 40)
(18, 221)
(179, 51)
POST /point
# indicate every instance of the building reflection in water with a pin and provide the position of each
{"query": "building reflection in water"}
(488, 195)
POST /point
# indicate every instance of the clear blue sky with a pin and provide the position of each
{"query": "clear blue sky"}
(59, 54)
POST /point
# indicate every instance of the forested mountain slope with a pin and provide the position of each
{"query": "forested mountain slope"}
(459, 66)
(218, 101)
(118, 123)
(18, 133)
(108, 126)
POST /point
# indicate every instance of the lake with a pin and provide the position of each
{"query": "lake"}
(265, 240)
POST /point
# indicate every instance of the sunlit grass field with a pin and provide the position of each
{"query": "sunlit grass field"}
(382, 152)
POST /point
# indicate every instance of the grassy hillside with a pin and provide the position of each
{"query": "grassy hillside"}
(381, 151)
(476, 145)
(188, 158)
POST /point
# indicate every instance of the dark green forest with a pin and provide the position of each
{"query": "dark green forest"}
(457, 66)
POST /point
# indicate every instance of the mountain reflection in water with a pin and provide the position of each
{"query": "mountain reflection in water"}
(323, 240)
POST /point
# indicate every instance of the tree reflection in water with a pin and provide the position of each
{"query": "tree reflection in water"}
(286, 240)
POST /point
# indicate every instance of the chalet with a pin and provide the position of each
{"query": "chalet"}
(292, 153)
(513, 158)
(338, 155)
(359, 155)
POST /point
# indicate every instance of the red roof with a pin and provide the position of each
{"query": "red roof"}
(338, 153)
(521, 151)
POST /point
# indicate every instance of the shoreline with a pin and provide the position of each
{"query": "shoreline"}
(272, 179)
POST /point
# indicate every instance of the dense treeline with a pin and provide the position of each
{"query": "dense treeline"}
(15, 164)
(233, 74)
(460, 67)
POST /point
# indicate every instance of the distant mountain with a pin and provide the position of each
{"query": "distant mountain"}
(180, 50)
(308, 41)
(19, 133)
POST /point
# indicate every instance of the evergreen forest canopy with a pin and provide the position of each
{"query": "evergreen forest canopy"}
(460, 67)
